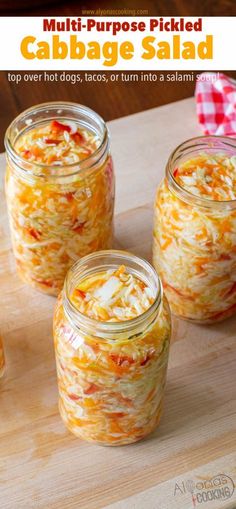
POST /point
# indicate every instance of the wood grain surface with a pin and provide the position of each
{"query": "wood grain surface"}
(42, 466)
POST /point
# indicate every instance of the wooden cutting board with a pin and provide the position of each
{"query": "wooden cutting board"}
(45, 467)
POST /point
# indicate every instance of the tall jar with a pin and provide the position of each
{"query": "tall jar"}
(2, 359)
(194, 247)
(59, 211)
(111, 375)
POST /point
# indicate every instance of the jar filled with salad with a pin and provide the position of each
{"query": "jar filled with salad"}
(2, 359)
(111, 332)
(59, 189)
(194, 247)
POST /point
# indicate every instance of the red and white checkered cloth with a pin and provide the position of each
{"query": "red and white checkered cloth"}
(216, 104)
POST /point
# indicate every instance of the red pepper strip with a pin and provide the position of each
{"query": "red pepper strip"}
(78, 228)
(34, 233)
(74, 397)
(145, 360)
(175, 173)
(224, 314)
(26, 153)
(69, 196)
(78, 138)
(61, 366)
(91, 389)
(225, 257)
(80, 293)
(121, 360)
(44, 282)
(231, 290)
(50, 141)
(57, 126)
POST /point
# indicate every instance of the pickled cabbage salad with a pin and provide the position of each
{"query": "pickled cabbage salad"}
(2, 360)
(111, 391)
(194, 246)
(57, 143)
(55, 222)
(211, 177)
(113, 296)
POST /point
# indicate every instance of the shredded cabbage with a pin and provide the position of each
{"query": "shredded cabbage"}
(113, 296)
(53, 224)
(111, 392)
(194, 248)
(212, 177)
(57, 143)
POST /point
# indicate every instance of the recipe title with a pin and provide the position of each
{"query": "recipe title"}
(74, 43)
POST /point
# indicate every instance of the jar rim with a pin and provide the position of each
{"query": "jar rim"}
(107, 330)
(79, 166)
(193, 143)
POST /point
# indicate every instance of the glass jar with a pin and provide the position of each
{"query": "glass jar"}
(111, 375)
(2, 359)
(194, 248)
(58, 212)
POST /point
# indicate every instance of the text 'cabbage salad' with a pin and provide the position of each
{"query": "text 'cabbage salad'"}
(55, 221)
(195, 245)
(111, 391)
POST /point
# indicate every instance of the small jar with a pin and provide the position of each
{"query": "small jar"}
(194, 248)
(2, 358)
(59, 189)
(111, 374)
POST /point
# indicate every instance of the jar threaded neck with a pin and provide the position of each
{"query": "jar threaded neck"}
(106, 260)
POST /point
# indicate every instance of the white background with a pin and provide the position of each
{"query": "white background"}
(13, 30)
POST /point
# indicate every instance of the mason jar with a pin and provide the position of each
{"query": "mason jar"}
(2, 359)
(59, 189)
(194, 247)
(111, 374)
